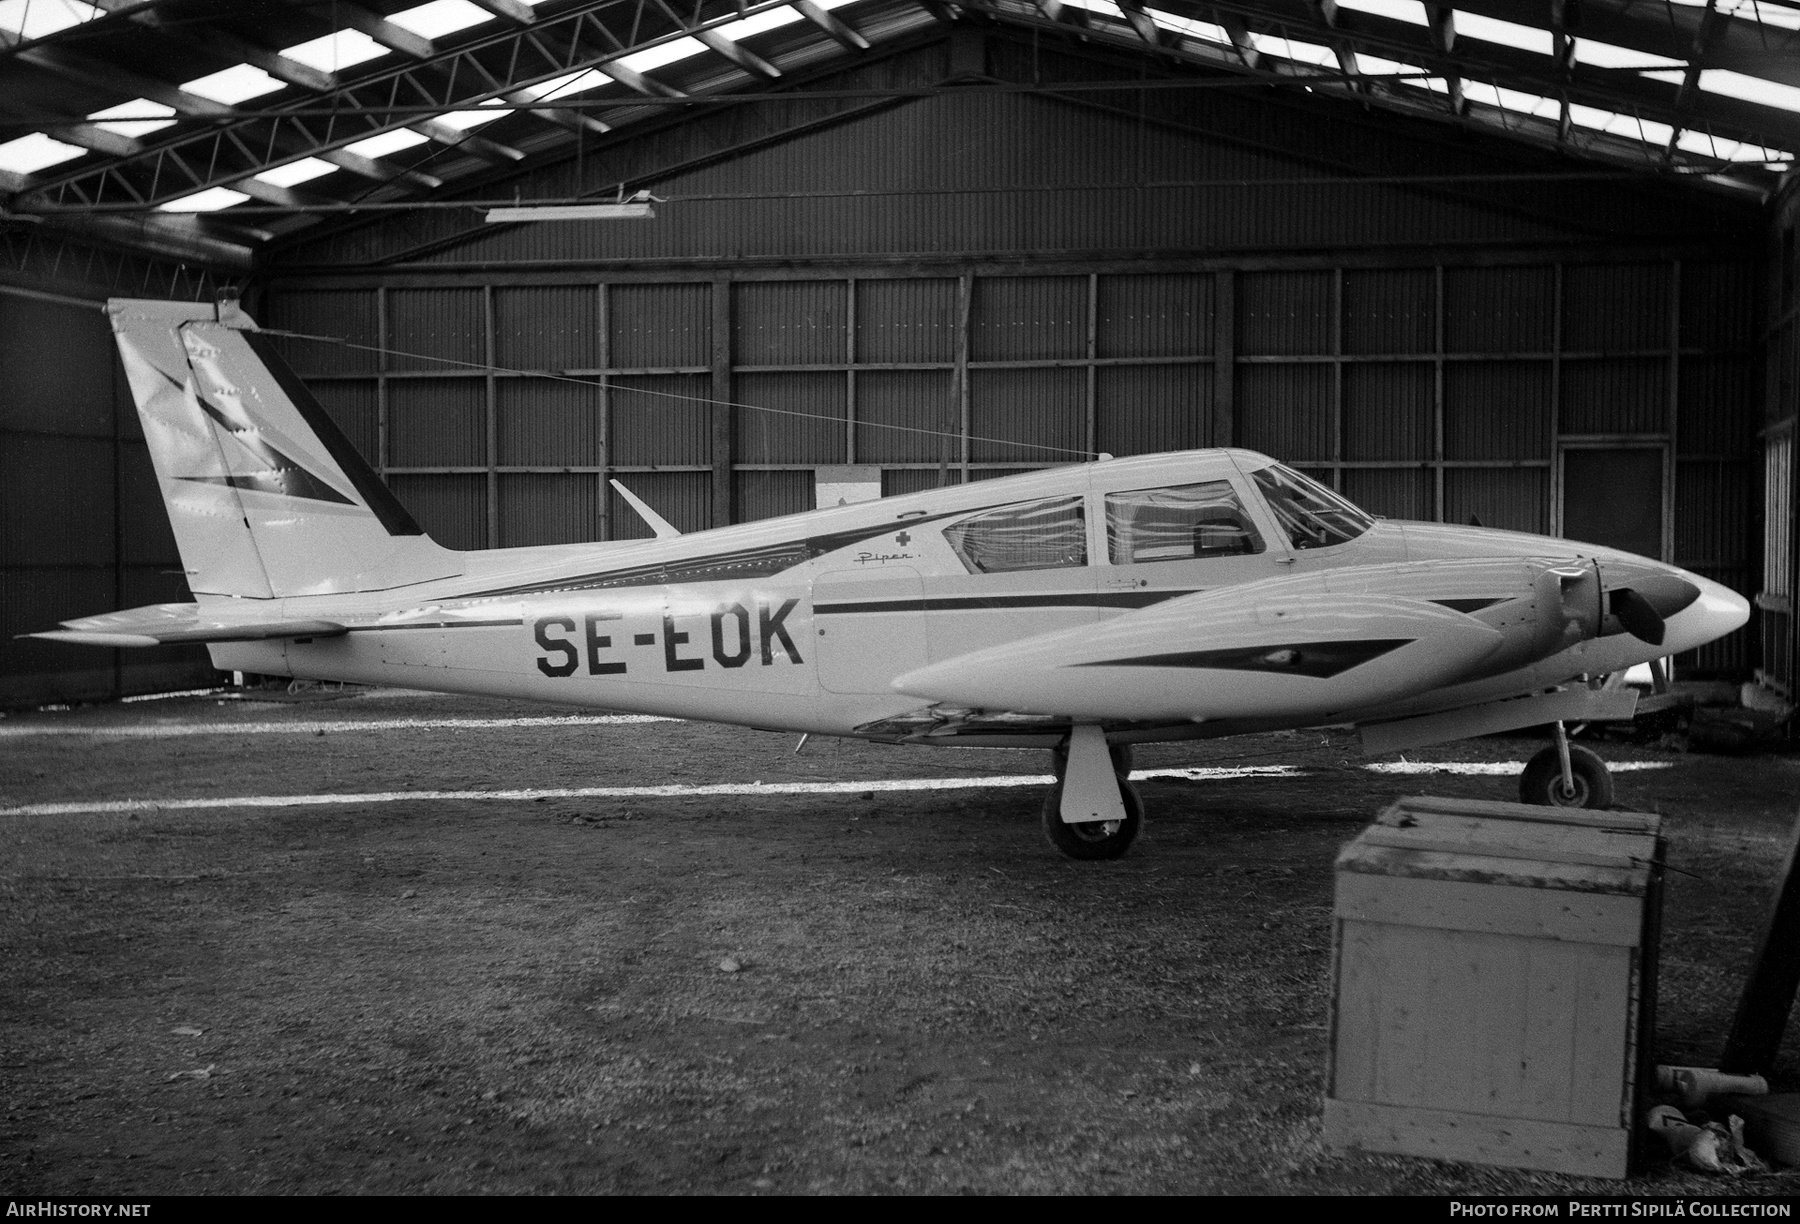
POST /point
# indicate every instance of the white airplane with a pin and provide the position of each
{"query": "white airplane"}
(1082, 609)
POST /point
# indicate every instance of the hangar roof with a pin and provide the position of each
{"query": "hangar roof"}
(219, 131)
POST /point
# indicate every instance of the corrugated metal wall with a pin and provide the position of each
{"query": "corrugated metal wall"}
(82, 528)
(1778, 595)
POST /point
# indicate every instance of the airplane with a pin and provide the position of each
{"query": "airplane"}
(1083, 609)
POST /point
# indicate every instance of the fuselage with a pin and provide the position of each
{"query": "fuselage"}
(804, 622)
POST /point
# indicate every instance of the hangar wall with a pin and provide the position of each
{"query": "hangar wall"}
(1024, 274)
(1779, 591)
(82, 527)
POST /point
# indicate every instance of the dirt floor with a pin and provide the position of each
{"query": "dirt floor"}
(845, 993)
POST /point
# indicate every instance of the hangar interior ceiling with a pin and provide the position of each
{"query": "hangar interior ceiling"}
(1513, 262)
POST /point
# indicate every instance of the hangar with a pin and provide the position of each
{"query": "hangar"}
(1531, 264)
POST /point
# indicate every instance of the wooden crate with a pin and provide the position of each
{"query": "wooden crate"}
(1494, 982)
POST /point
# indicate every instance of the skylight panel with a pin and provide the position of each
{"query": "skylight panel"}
(1753, 10)
(1708, 145)
(295, 173)
(1204, 30)
(564, 86)
(34, 152)
(1615, 124)
(210, 200)
(386, 143)
(463, 120)
(1375, 65)
(1294, 49)
(338, 49)
(1106, 7)
(440, 17)
(234, 85)
(1514, 100)
(748, 27)
(1397, 10)
(1748, 88)
(1506, 33)
(661, 54)
(31, 19)
(1606, 55)
(138, 117)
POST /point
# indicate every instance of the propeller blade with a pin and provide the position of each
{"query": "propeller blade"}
(1638, 615)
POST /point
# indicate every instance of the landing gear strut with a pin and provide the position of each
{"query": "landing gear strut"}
(1095, 779)
(1564, 775)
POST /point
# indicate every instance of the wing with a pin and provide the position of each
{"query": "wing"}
(165, 624)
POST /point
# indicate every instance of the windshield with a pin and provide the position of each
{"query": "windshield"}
(1312, 515)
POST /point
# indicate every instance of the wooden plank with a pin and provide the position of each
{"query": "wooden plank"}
(1483, 869)
(1599, 1070)
(1415, 805)
(1556, 1147)
(1516, 840)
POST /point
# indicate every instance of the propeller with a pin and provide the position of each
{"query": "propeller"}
(1638, 615)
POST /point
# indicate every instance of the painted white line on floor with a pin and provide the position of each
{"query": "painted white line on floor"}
(667, 791)
(1485, 768)
(173, 730)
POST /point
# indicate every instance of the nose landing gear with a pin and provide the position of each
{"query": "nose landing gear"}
(1564, 775)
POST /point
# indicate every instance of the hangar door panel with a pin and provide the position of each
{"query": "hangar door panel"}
(870, 627)
(1615, 497)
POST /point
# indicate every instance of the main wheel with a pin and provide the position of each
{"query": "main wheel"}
(1093, 839)
(1542, 782)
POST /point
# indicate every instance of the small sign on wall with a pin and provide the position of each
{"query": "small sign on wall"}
(846, 484)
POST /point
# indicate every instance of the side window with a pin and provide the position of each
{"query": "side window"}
(1179, 524)
(1032, 536)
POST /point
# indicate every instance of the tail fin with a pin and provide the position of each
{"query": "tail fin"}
(267, 497)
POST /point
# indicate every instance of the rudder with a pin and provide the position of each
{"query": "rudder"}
(267, 497)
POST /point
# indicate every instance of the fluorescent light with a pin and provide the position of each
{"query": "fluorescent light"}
(662, 53)
(34, 152)
(338, 49)
(749, 27)
(236, 84)
(387, 142)
(1398, 10)
(1294, 49)
(138, 117)
(440, 17)
(1506, 33)
(1604, 55)
(210, 200)
(36, 18)
(633, 210)
(295, 173)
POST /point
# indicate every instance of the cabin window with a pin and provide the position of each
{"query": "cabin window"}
(1036, 535)
(1312, 515)
(1179, 523)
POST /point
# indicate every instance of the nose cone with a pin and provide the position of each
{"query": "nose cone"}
(1713, 613)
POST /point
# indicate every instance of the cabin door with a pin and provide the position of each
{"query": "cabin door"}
(869, 627)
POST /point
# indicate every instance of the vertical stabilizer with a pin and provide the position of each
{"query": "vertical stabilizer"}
(268, 499)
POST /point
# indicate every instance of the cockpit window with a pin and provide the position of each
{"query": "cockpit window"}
(1312, 515)
(1179, 524)
(1032, 536)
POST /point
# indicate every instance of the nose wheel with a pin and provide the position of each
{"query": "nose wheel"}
(1564, 775)
(1093, 839)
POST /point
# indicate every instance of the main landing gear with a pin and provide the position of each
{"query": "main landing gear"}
(1092, 783)
(1564, 775)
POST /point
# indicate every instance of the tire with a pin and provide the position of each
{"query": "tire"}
(1094, 839)
(1541, 783)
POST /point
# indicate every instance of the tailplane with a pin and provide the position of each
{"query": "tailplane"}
(267, 497)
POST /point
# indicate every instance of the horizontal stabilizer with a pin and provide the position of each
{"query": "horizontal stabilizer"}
(173, 623)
